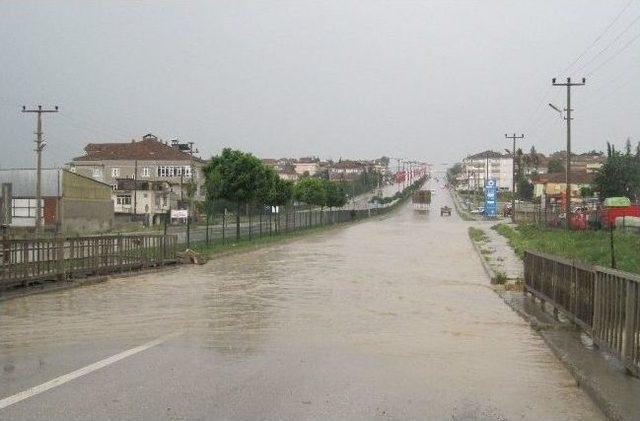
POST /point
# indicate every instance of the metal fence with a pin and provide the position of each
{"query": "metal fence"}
(604, 302)
(24, 261)
(223, 228)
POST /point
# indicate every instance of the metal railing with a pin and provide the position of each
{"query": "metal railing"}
(24, 261)
(604, 302)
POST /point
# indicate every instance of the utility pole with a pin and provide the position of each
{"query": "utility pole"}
(135, 190)
(194, 188)
(40, 144)
(513, 174)
(568, 84)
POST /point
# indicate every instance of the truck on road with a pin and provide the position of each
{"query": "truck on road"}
(421, 200)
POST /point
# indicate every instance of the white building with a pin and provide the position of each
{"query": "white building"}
(486, 165)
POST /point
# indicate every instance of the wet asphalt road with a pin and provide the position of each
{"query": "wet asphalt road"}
(391, 318)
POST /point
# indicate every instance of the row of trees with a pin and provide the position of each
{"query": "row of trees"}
(243, 179)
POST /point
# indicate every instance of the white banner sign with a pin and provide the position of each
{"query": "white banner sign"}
(179, 213)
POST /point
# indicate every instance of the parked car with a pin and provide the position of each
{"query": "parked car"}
(478, 211)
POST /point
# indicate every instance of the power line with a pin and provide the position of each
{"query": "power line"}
(533, 119)
(624, 31)
(599, 37)
(617, 53)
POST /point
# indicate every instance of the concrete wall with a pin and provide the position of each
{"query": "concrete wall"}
(86, 205)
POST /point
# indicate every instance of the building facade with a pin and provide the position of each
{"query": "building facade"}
(148, 176)
(71, 203)
(306, 166)
(486, 165)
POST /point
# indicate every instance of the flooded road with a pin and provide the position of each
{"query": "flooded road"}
(390, 318)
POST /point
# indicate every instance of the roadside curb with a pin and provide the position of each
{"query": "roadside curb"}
(485, 265)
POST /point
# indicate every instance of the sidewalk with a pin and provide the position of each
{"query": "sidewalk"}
(604, 378)
(502, 259)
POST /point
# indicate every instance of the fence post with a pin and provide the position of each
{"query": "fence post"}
(630, 327)
(596, 324)
(59, 242)
(120, 253)
(224, 220)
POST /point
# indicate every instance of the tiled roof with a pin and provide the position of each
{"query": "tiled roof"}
(576, 178)
(147, 149)
(488, 154)
(343, 165)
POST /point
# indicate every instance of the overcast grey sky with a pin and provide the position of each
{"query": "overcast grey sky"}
(434, 80)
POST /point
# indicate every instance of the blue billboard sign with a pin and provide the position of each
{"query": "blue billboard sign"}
(491, 197)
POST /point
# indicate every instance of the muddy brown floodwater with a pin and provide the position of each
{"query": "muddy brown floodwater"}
(391, 318)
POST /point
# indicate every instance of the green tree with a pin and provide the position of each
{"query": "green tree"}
(310, 191)
(524, 187)
(276, 191)
(453, 172)
(620, 174)
(555, 166)
(235, 176)
(534, 158)
(335, 196)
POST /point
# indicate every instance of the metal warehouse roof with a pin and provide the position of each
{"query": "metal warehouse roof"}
(23, 181)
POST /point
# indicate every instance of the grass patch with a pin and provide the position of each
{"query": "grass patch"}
(500, 278)
(478, 235)
(586, 246)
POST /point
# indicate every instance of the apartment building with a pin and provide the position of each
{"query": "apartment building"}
(486, 165)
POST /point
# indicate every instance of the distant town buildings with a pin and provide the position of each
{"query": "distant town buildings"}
(553, 186)
(545, 172)
(347, 170)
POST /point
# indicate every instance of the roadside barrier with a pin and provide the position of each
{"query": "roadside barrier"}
(25, 261)
(604, 302)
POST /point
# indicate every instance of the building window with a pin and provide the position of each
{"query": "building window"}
(146, 172)
(174, 171)
(24, 208)
(123, 200)
(115, 172)
(96, 173)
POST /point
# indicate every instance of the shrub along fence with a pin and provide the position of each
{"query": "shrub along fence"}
(604, 302)
(24, 261)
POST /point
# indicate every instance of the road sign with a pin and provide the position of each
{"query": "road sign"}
(491, 197)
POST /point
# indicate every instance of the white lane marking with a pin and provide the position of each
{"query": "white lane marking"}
(36, 390)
